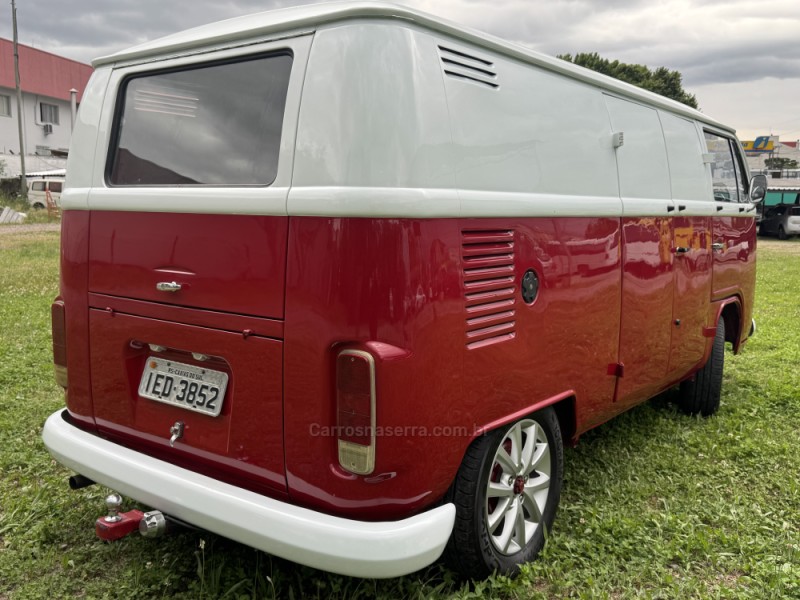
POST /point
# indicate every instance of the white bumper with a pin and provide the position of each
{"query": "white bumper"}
(346, 546)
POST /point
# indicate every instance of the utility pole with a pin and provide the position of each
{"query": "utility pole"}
(23, 182)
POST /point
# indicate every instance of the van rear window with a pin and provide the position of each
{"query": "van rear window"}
(217, 124)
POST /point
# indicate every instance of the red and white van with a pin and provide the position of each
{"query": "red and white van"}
(338, 281)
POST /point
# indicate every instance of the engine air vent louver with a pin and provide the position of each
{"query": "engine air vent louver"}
(487, 259)
(466, 67)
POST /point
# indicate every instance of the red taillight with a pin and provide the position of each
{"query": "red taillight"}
(355, 406)
(59, 326)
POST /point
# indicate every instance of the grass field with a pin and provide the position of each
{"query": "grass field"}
(655, 504)
(32, 215)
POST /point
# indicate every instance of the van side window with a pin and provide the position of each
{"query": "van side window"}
(723, 171)
(686, 169)
(55, 186)
(37, 186)
(217, 124)
(741, 175)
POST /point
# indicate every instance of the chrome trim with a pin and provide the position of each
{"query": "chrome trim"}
(113, 504)
(153, 524)
(168, 286)
(176, 433)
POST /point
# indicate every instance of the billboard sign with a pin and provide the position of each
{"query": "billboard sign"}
(760, 145)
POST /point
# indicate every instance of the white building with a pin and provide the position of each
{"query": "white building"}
(46, 81)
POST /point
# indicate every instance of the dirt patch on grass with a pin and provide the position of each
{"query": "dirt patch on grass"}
(5, 229)
(791, 247)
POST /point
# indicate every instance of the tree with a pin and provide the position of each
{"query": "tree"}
(661, 80)
(780, 163)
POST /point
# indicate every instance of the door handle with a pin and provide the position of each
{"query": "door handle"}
(670, 208)
(682, 250)
(681, 207)
(717, 246)
(168, 286)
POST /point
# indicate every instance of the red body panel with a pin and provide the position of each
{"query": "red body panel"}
(231, 263)
(436, 302)
(647, 292)
(401, 282)
(74, 278)
(247, 437)
(232, 271)
(735, 266)
(692, 280)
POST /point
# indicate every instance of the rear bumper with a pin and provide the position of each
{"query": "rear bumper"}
(346, 546)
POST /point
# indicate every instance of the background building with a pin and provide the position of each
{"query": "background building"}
(46, 81)
(771, 146)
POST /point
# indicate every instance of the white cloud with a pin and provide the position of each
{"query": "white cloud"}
(741, 58)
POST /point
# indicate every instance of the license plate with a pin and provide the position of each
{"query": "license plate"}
(187, 386)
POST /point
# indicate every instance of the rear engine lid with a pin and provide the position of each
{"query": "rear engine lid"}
(229, 263)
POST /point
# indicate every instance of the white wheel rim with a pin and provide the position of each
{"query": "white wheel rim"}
(518, 486)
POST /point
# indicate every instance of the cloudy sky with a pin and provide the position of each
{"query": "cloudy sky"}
(741, 58)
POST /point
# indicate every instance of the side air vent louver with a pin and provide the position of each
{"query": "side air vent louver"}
(490, 287)
(466, 67)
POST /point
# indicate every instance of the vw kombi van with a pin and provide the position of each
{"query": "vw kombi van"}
(39, 187)
(340, 281)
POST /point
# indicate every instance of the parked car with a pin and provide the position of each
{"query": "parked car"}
(332, 288)
(779, 219)
(782, 220)
(38, 188)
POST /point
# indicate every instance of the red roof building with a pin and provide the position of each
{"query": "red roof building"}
(41, 72)
(46, 80)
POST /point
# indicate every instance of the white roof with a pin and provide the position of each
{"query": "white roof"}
(307, 18)
(49, 173)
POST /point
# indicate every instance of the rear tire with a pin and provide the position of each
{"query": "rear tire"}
(701, 394)
(506, 494)
(38, 206)
(782, 233)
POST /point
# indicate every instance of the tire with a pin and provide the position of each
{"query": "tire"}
(701, 394)
(38, 206)
(782, 233)
(498, 530)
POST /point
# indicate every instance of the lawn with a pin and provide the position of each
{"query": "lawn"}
(655, 504)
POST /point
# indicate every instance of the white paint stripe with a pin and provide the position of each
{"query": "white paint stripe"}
(383, 202)
(380, 202)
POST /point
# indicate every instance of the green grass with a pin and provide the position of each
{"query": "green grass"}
(655, 504)
(33, 215)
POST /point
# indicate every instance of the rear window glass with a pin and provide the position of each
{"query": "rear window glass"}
(218, 124)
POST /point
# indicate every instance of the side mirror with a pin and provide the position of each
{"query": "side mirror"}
(758, 188)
